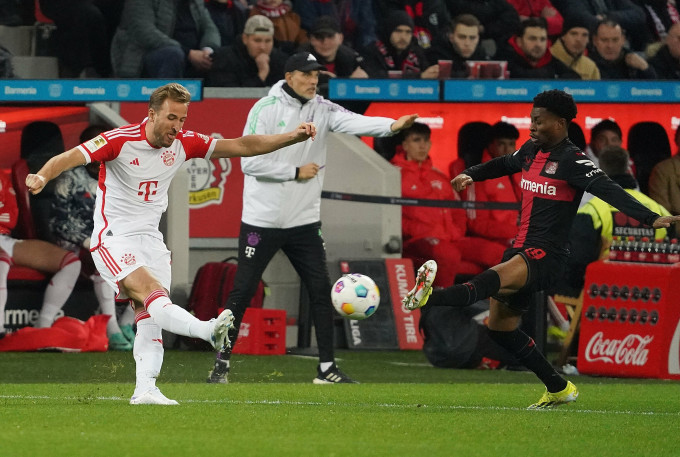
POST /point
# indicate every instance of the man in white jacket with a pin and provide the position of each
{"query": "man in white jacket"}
(282, 201)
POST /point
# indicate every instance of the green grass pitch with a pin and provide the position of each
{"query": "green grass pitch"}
(77, 405)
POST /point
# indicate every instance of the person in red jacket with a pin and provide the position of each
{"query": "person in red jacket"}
(540, 8)
(437, 233)
(496, 225)
(36, 254)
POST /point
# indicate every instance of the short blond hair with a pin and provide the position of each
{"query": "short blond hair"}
(174, 91)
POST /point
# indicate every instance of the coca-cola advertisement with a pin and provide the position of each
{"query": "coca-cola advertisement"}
(630, 324)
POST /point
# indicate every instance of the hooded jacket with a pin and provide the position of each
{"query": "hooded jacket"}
(422, 180)
(272, 197)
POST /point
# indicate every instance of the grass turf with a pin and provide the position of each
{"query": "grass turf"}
(76, 405)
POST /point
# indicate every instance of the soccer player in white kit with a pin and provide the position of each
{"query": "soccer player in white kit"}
(138, 163)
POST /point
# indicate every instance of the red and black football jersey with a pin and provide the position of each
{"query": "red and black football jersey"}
(552, 185)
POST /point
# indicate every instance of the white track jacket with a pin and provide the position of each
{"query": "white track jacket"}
(272, 198)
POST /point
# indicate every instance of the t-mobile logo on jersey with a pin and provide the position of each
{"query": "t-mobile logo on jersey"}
(148, 188)
(250, 251)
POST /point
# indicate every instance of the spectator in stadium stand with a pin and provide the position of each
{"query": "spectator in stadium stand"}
(36, 254)
(661, 15)
(571, 48)
(288, 33)
(326, 44)
(229, 17)
(614, 60)
(666, 62)
(84, 32)
(539, 253)
(356, 18)
(164, 39)
(597, 222)
(540, 8)
(396, 54)
(630, 16)
(127, 245)
(71, 223)
(430, 18)
(437, 233)
(664, 181)
(499, 19)
(251, 62)
(528, 55)
(605, 133)
(492, 224)
(282, 200)
(459, 45)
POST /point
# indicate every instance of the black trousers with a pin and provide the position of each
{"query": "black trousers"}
(304, 247)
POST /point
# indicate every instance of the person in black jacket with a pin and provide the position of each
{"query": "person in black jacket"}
(499, 18)
(528, 55)
(326, 44)
(253, 62)
(397, 51)
(460, 45)
(555, 173)
(666, 62)
(611, 56)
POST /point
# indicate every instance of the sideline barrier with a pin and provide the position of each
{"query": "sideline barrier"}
(513, 90)
(89, 90)
(418, 201)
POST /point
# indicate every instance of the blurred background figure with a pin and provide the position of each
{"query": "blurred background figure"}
(164, 39)
(36, 254)
(571, 48)
(253, 61)
(288, 32)
(396, 54)
(459, 45)
(72, 223)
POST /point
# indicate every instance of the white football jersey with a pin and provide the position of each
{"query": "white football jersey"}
(134, 178)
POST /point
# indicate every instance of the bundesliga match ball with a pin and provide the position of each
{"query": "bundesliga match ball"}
(355, 296)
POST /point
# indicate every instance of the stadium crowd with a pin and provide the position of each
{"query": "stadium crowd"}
(586, 39)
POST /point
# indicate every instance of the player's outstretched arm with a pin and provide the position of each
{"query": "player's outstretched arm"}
(460, 182)
(253, 145)
(665, 221)
(403, 122)
(53, 168)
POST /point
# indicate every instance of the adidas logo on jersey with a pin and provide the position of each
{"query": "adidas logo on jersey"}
(135, 162)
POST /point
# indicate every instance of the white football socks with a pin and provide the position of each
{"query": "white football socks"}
(58, 290)
(4, 271)
(148, 353)
(175, 319)
(106, 297)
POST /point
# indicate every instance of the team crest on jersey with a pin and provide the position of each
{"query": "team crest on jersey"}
(168, 158)
(128, 259)
(95, 143)
(551, 168)
(207, 179)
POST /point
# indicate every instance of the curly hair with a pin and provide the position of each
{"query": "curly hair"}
(557, 102)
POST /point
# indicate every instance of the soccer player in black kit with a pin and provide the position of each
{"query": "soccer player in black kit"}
(555, 173)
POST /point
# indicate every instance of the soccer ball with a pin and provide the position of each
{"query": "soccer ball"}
(355, 296)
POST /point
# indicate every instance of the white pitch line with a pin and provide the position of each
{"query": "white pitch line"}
(380, 405)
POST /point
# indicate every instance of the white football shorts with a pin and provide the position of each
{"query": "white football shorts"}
(118, 256)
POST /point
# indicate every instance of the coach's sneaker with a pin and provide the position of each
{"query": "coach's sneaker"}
(152, 397)
(417, 297)
(332, 376)
(118, 342)
(220, 334)
(220, 373)
(550, 400)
